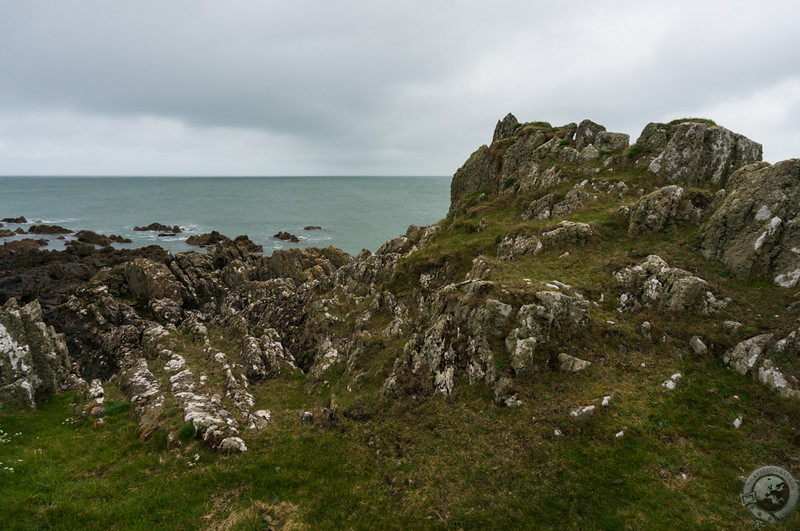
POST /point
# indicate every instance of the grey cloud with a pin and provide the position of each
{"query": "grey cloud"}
(382, 87)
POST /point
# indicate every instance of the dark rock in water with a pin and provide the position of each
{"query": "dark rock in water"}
(312, 227)
(20, 219)
(48, 229)
(87, 236)
(285, 236)
(166, 234)
(20, 230)
(5, 233)
(159, 227)
(119, 239)
(204, 240)
(248, 244)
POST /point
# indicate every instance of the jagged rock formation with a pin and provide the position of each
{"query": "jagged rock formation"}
(33, 357)
(756, 229)
(147, 321)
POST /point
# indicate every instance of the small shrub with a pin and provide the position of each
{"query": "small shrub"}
(186, 432)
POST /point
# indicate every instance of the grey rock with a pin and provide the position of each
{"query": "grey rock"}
(697, 345)
(586, 134)
(745, 355)
(607, 142)
(581, 415)
(33, 357)
(655, 211)
(572, 364)
(756, 229)
(654, 284)
(505, 127)
(699, 152)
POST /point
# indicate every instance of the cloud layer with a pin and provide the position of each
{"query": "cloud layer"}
(380, 88)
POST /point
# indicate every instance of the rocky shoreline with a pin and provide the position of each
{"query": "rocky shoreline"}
(121, 315)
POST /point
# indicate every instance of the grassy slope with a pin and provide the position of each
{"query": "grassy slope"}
(459, 461)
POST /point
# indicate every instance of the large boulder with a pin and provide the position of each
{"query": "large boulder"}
(697, 152)
(33, 357)
(756, 229)
(653, 283)
(655, 211)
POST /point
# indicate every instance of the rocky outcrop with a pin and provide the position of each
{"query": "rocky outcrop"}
(653, 283)
(159, 227)
(208, 239)
(48, 229)
(753, 356)
(526, 157)
(33, 357)
(756, 229)
(695, 152)
(517, 246)
(87, 236)
(655, 211)
(285, 236)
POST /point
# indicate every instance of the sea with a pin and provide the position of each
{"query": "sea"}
(354, 213)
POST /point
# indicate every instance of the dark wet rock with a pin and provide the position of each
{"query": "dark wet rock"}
(248, 244)
(119, 239)
(148, 279)
(208, 239)
(20, 219)
(285, 236)
(48, 229)
(312, 227)
(159, 227)
(87, 236)
(6, 233)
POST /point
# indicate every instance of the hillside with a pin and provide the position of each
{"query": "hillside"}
(599, 335)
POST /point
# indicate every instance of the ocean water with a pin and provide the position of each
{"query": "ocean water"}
(354, 212)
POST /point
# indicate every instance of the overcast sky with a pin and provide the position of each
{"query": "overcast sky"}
(209, 87)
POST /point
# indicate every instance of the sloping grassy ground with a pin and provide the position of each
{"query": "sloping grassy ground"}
(457, 462)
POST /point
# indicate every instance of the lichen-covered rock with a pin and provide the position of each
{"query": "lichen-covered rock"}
(756, 229)
(516, 246)
(551, 313)
(586, 134)
(33, 357)
(655, 211)
(607, 142)
(752, 356)
(653, 283)
(699, 152)
(745, 356)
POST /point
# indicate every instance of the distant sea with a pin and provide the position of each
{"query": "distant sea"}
(354, 212)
